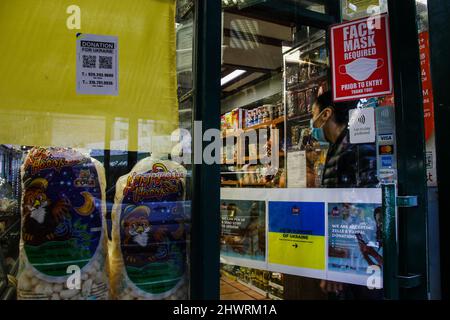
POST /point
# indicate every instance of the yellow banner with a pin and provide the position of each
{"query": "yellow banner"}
(39, 105)
(301, 251)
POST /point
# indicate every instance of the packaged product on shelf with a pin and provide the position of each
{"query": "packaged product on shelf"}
(260, 113)
(316, 68)
(253, 150)
(315, 153)
(266, 114)
(304, 72)
(295, 135)
(223, 124)
(280, 108)
(230, 153)
(149, 233)
(237, 117)
(276, 285)
(301, 98)
(280, 178)
(274, 111)
(292, 72)
(323, 87)
(249, 119)
(228, 122)
(234, 120)
(291, 104)
(63, 249)
(271, 109)
(8, 205)
(311, 95)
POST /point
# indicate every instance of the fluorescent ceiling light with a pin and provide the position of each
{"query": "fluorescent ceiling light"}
(231, 76)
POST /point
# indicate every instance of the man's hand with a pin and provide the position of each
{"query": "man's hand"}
(331, 286)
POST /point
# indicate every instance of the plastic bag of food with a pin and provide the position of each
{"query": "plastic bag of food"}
(149, 229)
(63, 248)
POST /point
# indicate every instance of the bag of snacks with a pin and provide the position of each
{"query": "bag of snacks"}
(63, 249)
(149, 229)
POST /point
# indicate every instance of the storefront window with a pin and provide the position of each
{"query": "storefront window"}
(97, 170)
(301, 197)
(95, 100)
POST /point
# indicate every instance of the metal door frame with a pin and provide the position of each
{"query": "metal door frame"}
(410, 279)
(439, 24)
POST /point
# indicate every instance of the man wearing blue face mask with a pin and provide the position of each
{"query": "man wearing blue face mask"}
(347, 165)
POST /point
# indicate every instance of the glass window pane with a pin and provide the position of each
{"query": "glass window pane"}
(296, 217)
(95, 150)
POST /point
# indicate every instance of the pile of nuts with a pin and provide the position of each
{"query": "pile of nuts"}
(93, 284)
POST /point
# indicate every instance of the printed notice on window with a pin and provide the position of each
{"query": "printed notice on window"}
(97, 59)
(296, 169)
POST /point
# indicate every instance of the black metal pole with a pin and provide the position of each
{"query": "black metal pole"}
(205, 246)
(439, 24)
(410, 148)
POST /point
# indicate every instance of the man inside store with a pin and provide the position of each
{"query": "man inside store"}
(346, 166)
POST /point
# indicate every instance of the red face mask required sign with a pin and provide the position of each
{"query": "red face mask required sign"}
(361, 58)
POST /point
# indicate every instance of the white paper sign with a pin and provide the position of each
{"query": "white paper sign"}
(362, 125)
(97, 59)
(296, 169)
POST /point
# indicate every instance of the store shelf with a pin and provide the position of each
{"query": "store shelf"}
(280, 154)
(302, 117)
(10, 228)
(259, 126)
(251, 158)
(185, 10)
(188, 95)
(256, 184)
(237, 184)
(276, 285)
(228, 275)
(305, 84)
(230, 183)
(226, 161)
(230, 134)
(15, 268)
(266, 124)
(274, 297)
(278, 121)
(8, 294)
(252, 287)
(273, 122)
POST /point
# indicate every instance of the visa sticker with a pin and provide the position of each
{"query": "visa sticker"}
(385, 138)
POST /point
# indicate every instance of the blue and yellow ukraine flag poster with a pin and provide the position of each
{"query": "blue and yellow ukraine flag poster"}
(297, 234)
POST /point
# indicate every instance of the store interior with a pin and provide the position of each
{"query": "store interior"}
(272, 71)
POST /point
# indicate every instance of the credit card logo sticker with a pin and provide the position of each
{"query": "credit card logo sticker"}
(386, 138)
(386, 161)
(386, 149)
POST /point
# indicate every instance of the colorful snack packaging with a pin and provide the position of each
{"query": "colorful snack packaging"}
(63, 247)
(149, 233)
